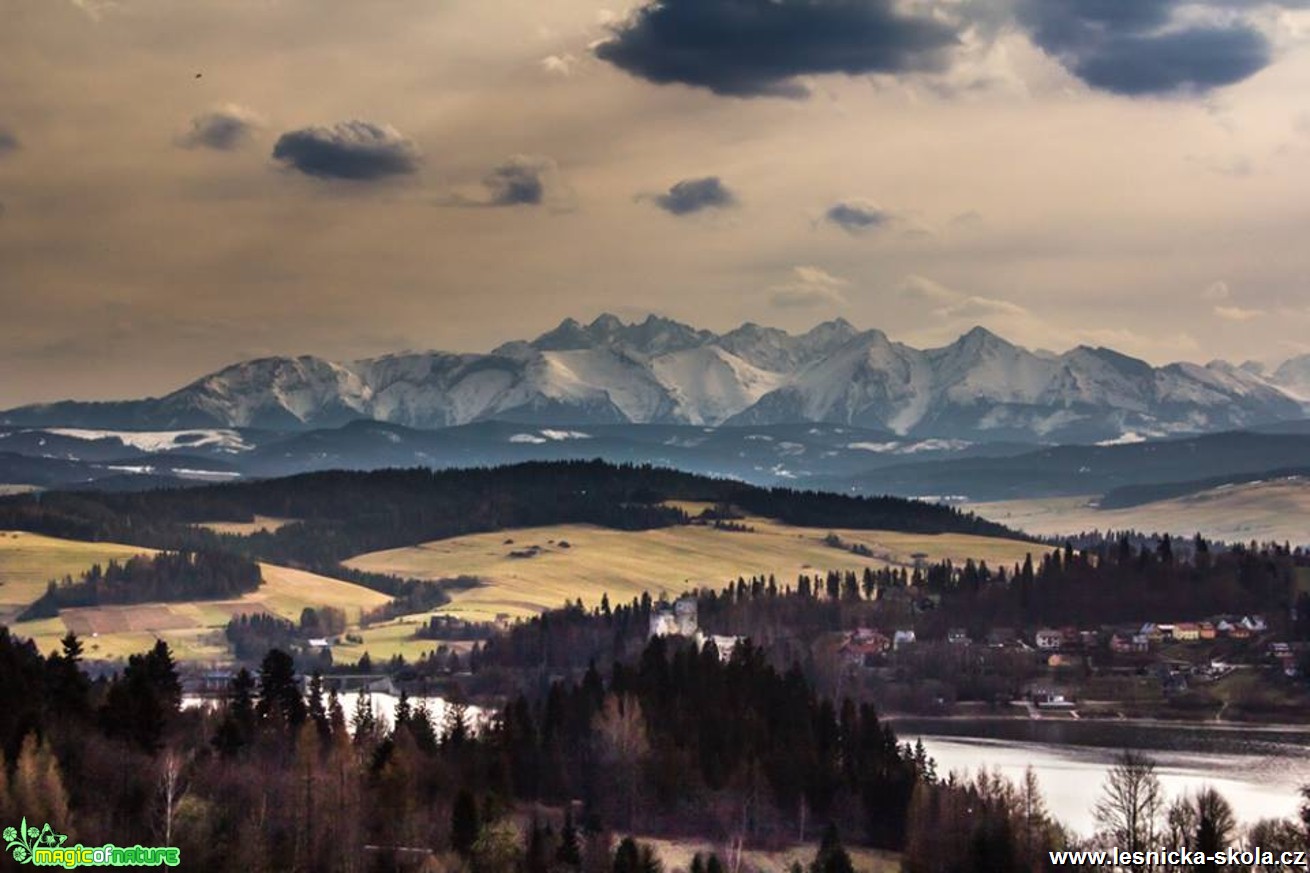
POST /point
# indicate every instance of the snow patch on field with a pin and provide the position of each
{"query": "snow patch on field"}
(561, 435)
(159, 440)
(1126, 439)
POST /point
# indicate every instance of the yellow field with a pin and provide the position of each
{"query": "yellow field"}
(261, 524)
(29, 561)
(678, 854)
(667, 561)
(194, 630)
(1275, 510)
(384, 641)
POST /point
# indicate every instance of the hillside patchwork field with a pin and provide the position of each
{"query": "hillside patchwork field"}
(1277, 510)
(193, 629)
(29, 561)
(530, 570)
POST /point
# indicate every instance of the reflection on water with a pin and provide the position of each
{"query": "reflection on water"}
(1260, 771)
(384, 708)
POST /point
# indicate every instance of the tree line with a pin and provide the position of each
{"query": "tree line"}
(166, 576)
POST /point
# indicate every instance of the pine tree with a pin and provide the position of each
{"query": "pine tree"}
(280, 704)
(464, 824)
(832, 856)
(363, 723)
(570, 847)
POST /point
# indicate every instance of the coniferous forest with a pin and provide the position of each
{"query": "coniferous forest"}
(164, 577)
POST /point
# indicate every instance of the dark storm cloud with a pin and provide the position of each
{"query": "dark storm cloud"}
(857, 216)
(356, 150)
(224, 129)
(1137, 48)
(8, 141)
(517, 182)
(751, 48)
(694, 195)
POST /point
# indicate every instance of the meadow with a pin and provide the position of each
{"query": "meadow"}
(529, 570)
(29, 561)
(194, 629)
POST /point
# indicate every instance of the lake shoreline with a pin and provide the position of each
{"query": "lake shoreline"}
(1209, 724)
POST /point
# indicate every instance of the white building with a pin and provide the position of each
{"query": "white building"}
(678, 620)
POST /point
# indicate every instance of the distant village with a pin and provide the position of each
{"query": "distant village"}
(1179, 655)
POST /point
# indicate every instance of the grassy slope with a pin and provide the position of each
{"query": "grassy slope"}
(27, 561)
(1263, 510)
(668, 561)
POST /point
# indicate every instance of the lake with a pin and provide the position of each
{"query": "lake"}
(1258, 769)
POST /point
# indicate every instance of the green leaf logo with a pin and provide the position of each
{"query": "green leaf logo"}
(22, 841)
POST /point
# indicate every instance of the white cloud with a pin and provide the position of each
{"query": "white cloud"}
(1237, 313)
(808, 287)
(559, 65)
(924, 289)
(979, 307)
(1217, 291)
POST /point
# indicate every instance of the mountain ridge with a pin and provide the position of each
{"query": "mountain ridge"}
(660, 371)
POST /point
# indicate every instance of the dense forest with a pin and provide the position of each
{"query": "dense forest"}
(675, 743)
(276, 763)
(166, 576)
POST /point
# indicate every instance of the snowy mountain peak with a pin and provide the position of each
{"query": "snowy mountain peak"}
(661, 371)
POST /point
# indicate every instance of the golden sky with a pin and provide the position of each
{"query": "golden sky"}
(187, 184)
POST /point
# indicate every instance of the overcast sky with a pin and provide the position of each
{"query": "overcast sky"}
(187, 184)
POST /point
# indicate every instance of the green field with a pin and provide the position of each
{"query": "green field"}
(667, 561)
(1276, 510)
(194, 629)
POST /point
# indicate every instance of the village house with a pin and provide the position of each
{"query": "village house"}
(677, 620)
(1129, 644)
(1206, 630)
(1048, 639)
(863, 646)
(724, 645)
(1186, 631)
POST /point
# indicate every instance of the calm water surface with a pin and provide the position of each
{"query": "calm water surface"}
(1259, 770)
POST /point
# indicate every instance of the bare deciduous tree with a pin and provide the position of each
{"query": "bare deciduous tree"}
(1131, 804)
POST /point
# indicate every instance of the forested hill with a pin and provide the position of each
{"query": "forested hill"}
(340, 514)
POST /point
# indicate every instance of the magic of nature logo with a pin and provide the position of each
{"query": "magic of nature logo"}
(45, 847)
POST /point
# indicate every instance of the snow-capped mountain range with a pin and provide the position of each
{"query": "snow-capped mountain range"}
(659, 371)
